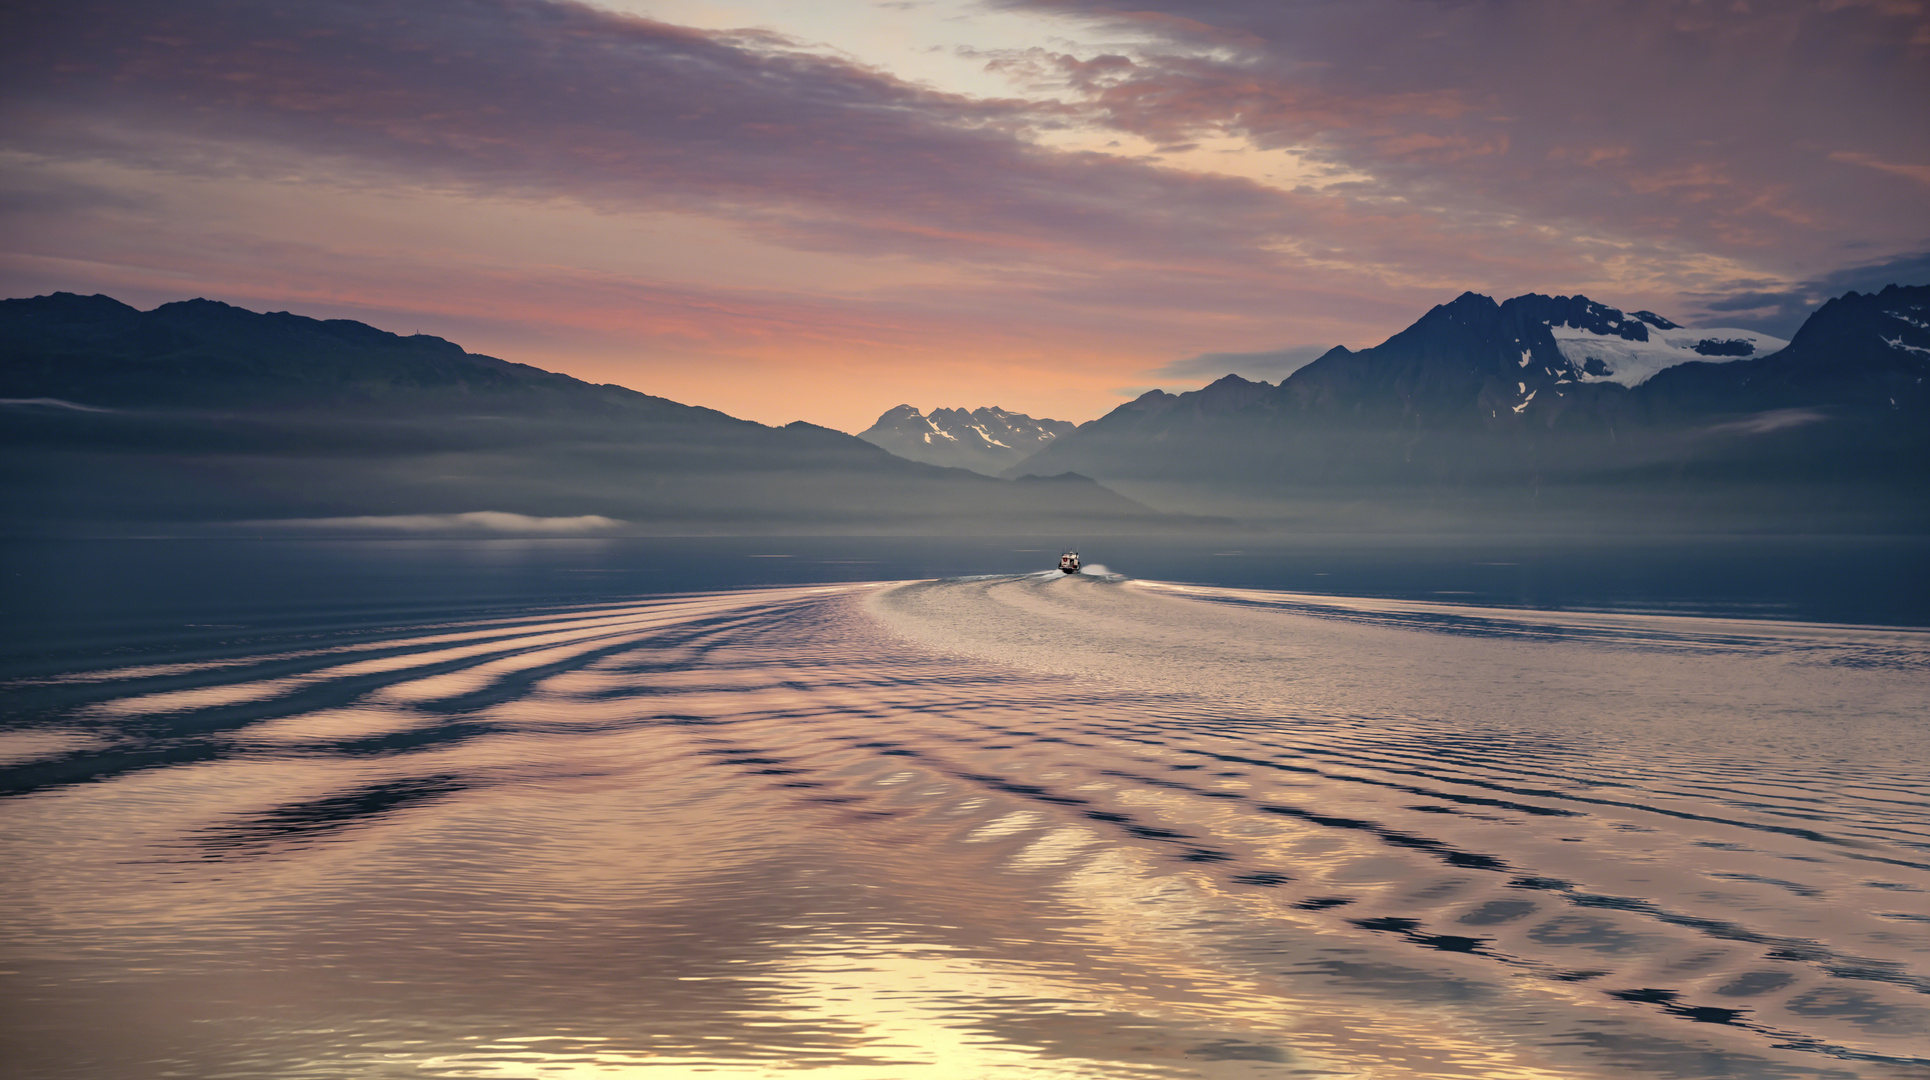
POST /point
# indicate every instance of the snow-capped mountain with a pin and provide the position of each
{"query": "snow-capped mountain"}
(1545, 394)
(1528, 359)
(1604, 345)
(200, 415)
(985, 440)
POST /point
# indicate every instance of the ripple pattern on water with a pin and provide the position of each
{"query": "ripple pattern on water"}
(1044, 825)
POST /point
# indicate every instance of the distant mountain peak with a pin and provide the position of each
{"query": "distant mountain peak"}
(987, 439)
(1468, 305)
(1560, 406)
(1492, 362)
(1580, 313)
(1233, 382)
(1226, 394)
(73, 304)
(209, 416)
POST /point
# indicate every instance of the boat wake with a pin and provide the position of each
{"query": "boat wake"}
(1073, 825)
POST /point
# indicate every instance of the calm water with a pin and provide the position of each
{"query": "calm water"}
(746, 808)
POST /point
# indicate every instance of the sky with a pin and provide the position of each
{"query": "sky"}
(818, 211)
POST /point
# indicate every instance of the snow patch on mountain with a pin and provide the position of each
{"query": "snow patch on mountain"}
(985, 440)
(1918, 323)
(1599, 357)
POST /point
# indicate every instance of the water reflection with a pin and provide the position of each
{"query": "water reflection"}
(1044, 827)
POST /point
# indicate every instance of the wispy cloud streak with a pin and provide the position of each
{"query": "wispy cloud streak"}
(1733, 129)
(546, 99)
(1186, 180)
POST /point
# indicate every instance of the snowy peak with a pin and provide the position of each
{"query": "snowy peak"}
(994, 427)
(1581, 313)
(985, 440)
(1550, 401)
(1598, 343)
(1527, 359)
(1597, 357)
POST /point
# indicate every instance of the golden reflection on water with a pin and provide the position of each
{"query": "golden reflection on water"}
(749, 834)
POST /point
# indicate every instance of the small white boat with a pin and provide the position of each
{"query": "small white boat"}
(1069, 562)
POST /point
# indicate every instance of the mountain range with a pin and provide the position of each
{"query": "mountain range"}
(199, 414)
(1533, 413)
(986, 440)
(1552, 406)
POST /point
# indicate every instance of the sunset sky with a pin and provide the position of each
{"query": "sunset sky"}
(817, 211)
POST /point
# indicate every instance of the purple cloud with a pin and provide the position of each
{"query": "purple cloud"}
(1768, 133)
(546, 98)
(1782, 311)
(1646, 154)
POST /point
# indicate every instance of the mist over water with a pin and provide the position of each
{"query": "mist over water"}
(1016, 823)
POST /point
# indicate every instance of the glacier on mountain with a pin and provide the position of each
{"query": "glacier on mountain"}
(984, 440)
(1599, 357)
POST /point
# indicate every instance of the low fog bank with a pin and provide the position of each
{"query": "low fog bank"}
(199, 416)
(1791, 471)
(64, 472)
(1635, 507)
(478, 522)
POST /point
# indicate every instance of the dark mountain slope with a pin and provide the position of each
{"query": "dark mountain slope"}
(1481, 408)
(203, 354)
(201, 412)
(1859, 353)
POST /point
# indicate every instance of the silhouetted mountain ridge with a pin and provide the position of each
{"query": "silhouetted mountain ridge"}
(200, 412)
(207, 354)
(1551, 399)
(1860, 352)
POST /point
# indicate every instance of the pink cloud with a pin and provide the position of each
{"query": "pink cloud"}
(1492, 152)
(548, 99)
(1668, 120)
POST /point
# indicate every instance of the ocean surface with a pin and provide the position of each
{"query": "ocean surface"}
(882, 809)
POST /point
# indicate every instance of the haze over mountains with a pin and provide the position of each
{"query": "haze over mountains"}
(1557, 408)
(198, 413)
(1534, 413)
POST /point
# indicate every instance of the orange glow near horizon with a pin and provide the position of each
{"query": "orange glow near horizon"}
(1049, 207)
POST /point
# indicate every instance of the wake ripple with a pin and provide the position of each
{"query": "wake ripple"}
(1669, 846)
